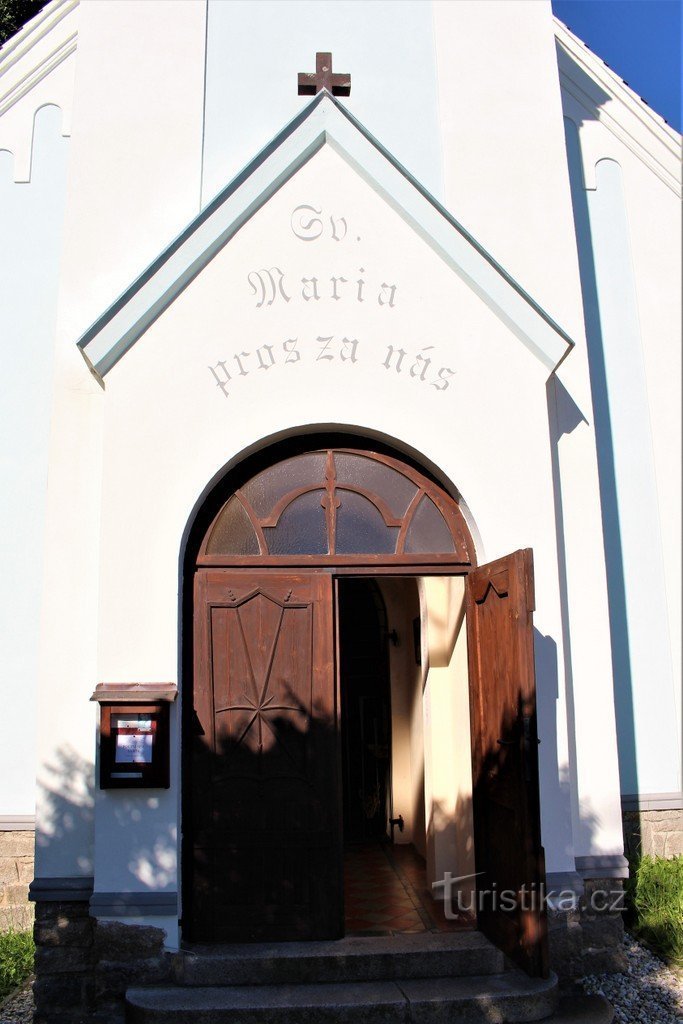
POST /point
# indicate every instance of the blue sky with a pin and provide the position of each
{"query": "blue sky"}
(641, 42)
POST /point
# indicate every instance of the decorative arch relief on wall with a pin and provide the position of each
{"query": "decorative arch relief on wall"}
(338, 505)
(38, 73)
(34, 155)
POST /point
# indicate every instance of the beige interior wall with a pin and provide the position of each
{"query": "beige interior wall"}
(431, 752)
(402, 603)
(447, 748)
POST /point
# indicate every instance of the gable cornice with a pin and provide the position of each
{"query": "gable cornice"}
(20, 67)
(587, 79)
(323, 122)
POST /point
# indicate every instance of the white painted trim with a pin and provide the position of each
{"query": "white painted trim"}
(17, 822)
(650, 802)
(626, 116)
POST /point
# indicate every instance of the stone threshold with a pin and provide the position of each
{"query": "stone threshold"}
(353, 958)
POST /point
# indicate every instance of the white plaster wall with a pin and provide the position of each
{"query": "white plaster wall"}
(133, 183)
(31, 215)
(626, 171)
(387, 47)
(505, 173)
(654, 694)
(65, 720)
(138, 848)
(136, 157)
(169, 426)
(448, 752)
(506, 180)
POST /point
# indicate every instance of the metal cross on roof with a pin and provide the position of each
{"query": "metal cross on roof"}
(311, 84)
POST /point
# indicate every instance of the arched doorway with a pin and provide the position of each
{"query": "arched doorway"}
(263, 815)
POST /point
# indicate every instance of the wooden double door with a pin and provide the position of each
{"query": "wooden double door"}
(263, 822)
(265, 807)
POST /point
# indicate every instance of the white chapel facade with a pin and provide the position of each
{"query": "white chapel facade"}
(276, 358)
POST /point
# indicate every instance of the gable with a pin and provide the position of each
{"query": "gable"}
(326, 286)
(324, 123)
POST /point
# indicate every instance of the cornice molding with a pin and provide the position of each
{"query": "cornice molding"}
(602, 865)
(129, 693)
(134, 904)
(19, 45)
(61, 889)
(627, 117)
(652, 801)
(25, 82)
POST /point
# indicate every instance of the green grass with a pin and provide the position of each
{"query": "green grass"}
(655, 902)
(16, 959)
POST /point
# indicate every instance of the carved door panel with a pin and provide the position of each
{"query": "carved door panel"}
(266, 851)
(507, 834)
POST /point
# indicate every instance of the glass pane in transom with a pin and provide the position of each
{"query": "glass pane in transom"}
(266, 489)
(361, 528)
(233, 533)
(301, 529)
(428, 531)
(384, 481)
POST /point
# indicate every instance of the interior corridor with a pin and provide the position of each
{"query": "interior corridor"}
(385, 893)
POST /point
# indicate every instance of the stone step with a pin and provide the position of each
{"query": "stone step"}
(429, 955)
(491, 999)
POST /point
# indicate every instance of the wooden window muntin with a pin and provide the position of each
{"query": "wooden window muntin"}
(332, 493)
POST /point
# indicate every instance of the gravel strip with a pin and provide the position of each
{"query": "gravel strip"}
(18, 1008)
(648, 991)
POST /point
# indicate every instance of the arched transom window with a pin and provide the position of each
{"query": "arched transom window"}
(338, 505)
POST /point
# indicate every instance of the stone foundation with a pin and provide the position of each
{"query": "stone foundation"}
(84, 966)
(588, 940)
(653, 833)
(64, 986)
(16, 871)
(125, 955)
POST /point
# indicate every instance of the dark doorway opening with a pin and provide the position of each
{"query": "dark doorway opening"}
(385, 881)
(365, 711)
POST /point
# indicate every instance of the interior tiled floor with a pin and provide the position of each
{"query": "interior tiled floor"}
(385, 893)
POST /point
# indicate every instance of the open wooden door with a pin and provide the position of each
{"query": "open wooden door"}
(507, 834)
(264, 815)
